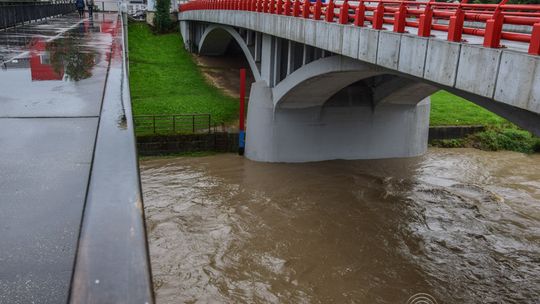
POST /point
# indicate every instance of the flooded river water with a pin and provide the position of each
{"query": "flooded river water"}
(462, 225)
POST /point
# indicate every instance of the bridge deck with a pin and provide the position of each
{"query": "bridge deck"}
(71, 223)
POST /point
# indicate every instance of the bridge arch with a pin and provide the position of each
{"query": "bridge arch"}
(334, 78)
(216, 38)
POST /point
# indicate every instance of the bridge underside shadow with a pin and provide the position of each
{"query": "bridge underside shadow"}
(309, 104)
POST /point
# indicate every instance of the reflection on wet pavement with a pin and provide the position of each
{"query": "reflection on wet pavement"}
(460, 224)
(57, 68)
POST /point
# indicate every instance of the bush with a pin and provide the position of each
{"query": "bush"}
(511, 139)
(162, 18)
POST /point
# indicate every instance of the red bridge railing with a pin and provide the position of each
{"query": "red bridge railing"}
(484, 20)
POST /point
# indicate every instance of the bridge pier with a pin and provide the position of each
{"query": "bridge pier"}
(333, 131)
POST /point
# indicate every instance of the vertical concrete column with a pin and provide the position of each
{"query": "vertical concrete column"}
(259, 132)
(290, 57)
(267, 59)
(277, 61)
(258, 46)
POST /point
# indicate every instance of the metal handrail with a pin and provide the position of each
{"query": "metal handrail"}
(173, 123)
(15, 14)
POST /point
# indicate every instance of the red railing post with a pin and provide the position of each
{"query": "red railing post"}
(329, 13)
(296, 8)
(287, 8)
(399, 18)
(378, 16)
(279, 7)
(306, 9)
(317, 11)
(272, 8)
(344, 13)
(260, 5)
(534, 46)
(492, 36)
(360, 14)
(253, 5)
(265, 6)
(455, 26)
(424, 24)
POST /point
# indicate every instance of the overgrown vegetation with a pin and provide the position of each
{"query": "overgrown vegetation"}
(165, 80)
(162, 18)
(495, 139)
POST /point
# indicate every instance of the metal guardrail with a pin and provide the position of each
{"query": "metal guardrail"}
(14, 14)
(173, 124)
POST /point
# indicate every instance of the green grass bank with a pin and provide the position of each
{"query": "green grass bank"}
(165, 79)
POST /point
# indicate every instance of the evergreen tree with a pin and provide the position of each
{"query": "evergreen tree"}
(162, 18)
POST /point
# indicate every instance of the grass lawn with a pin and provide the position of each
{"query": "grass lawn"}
(449, 109)
(165, 80)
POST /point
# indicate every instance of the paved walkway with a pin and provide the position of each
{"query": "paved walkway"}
(64, 119)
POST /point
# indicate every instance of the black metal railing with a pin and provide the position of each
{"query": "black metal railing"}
(12, 14)
(172, 124)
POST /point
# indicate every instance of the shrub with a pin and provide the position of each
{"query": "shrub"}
(511, 139)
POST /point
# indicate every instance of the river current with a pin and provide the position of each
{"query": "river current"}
(459, 224)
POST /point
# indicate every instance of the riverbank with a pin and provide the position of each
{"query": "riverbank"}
(166, 79)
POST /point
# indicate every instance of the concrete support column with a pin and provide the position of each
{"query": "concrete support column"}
(267, 59)
(340, 132)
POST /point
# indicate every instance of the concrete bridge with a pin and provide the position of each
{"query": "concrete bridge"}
(352, 81)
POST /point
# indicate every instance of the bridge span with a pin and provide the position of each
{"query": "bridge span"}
(353, 81)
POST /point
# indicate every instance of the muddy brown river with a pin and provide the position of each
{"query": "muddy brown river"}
(459, 224)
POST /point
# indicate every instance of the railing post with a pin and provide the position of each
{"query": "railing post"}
(378, 16)
(344, 13)
(287, 9)
(329, 14)
(534, 45)
(360, 14)
(279, 7)
(296, 8)
(306, 8)
(265, 6)
(399, 18)
(492, 36)
(318, 10)
(272, 9)
(424, 24)
(455, 26)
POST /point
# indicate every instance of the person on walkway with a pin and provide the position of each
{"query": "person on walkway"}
(90, 5)
(80, 7)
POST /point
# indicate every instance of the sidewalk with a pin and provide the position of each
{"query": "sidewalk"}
(64, 120)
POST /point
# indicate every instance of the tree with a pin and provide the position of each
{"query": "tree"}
(162, 18)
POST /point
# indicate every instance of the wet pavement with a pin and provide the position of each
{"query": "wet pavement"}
(55, 78)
